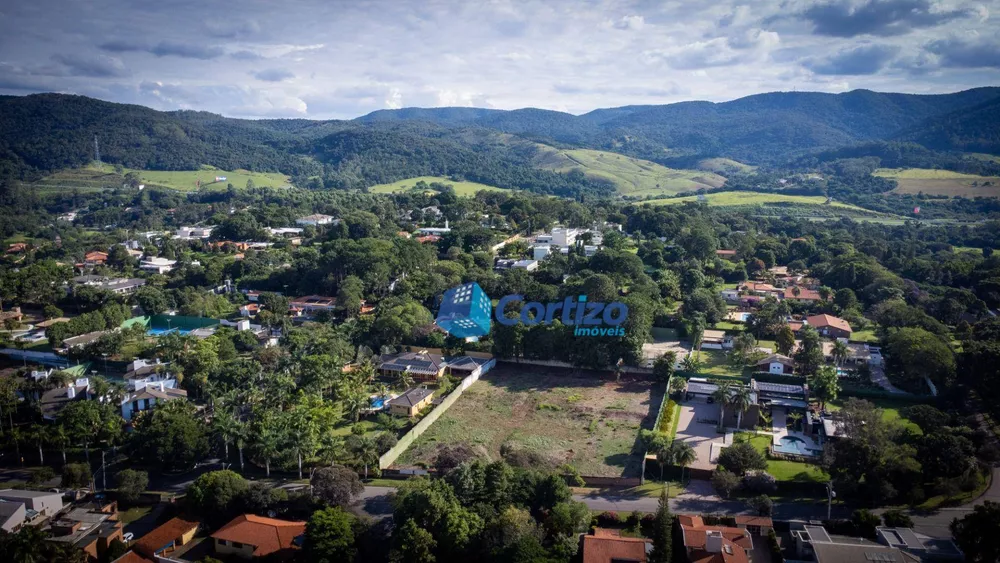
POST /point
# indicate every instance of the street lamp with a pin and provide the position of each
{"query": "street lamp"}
(105, 355)
(830, 495)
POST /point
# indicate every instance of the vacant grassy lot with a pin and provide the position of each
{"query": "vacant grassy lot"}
(589, 423)
(785, 470)
(864, 336)
(714, 362)
(736, 199)
(92, 178)
(891, 411)
(724, 166)
(464, 189)
(632, 176)
(941, 182)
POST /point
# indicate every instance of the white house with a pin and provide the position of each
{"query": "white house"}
(188, 233)
(44, 503)
(147, 397)
(435, 230)
(12, 516)
(541, 251)
(530, 265)
(316, 219)
(157, 264)
(776, 364)
(142, 373)
(716, 340)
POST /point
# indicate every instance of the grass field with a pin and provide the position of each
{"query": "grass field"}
(941, 182)
(588, 423)
(736, 199)
(890, 411)
(714, 362)
(464, 189)
(864, 336)
(632, 176)
(724, 166)
(91, 178)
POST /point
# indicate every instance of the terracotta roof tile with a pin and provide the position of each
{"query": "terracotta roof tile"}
(606, 548)
(819, 321)
(161, 536)
(267, 535)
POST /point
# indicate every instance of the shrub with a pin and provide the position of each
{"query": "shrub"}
(760, 482)
(772, 544)
(741, 458)
(897, 519)
(666, 421)
(761, 504)
(608, 519)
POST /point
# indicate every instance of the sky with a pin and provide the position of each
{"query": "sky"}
(330, 59)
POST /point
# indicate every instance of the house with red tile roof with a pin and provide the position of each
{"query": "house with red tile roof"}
(608, 546)
(831, 326)
(249, 536)
(95, 258)
(796, 293)
(165, 539)
(714, 544)
(726, 254)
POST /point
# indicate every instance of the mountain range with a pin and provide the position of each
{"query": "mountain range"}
(45, 132)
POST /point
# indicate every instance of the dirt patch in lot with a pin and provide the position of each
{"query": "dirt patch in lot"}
(590, 423)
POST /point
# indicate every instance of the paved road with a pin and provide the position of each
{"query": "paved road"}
(935, 524)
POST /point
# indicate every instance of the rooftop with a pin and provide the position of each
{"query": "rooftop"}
(607, 547)
(160, 537)
(267, 535)
(412, 397)
(821, 321)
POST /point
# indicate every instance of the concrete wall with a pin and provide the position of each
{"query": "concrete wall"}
(245, 550)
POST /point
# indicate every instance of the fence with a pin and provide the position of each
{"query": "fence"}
(389, 457)
(846, 389)
(656, 426)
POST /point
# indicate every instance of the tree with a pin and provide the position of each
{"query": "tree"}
(896, 518)
(76, 475)
(840, 352)
(866, 522)
(978, 533)
(336, 486)
(664, 457)
(330, 536)
(677, 384)
(914, 354)
(809, 355)
(217, 493)
(724, 482)
(683, 454)
(741, 458)
(663, 366)
(350, 294)
(825, 385)
(266, 435)
(414, 544)
(87, 422)
(152, 300)
(366, 449)
(171, 435)
(784, 341)
(928, 418)
(722, 397)
(131, 484)
(691, 363)
(260, 498)
(662, 532)
(761, 504)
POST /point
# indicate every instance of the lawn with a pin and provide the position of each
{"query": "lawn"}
(890, 411)
(941, 182)
(736, 199)
(632, 176)
(463, 189)
(714, 362)
(134, 513)
(589, 423)
(97, 178)
(784, 470)
(864, 336)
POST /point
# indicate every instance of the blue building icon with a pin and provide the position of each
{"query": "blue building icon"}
(465, 311)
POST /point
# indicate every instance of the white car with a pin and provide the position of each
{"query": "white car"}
(127, 537)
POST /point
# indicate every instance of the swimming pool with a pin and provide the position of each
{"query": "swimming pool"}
(377, 403)
(795, 445)
(162, 331)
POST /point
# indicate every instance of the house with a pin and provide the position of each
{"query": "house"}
(191, 233)
(157, 264)
(95, 258)
(435, 230)
(541, 251)
(249, 310)
(312, 304)
(55, 400)
(14, 313)
(716, 340)
(286, 232)
(726, 254)
(142, 373)
(118, 286)
(249, 536)
(857, 353)
(12, 515)
(814, 543)
(700, 389)
(316, 219)
(45, 503)
(147, 397)
(464, 366)
(166, 538)
(17, 248)
(777, 364)
(796, 293)
(608, 546)
(921, 547)
(828, 325)
(90, 529)
(778, 270)
(428, 239)
(422, 365)
(714, 544)
(756, 525)
(432, 212)
(83, 339)
(411, 402)
(504, 264)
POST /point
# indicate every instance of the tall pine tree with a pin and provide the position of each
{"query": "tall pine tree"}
(662, 532)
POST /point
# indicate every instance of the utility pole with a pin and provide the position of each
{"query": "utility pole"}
(104, 474)
(830, 495)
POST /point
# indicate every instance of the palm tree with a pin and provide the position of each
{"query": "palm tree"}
(722, 397)
(664, 457)
(267, 440)
(691, 363)
(795, 417)
(405, 380)
(840, 352)
(742, 399)
(354, 403)
(366, 449)
(38, 434)
(683, 454)
(58, 437)
(225, 426)
(300, 433)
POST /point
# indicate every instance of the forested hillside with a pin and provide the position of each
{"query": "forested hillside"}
(974, 129)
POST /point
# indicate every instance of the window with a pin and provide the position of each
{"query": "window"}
(221, 542)
(237, 545)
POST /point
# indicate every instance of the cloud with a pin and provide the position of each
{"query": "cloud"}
(246, 55)
(165, 49)
(100, 66)
(232, 29)
(186, 50)
(846, 18)
(394, 99)
(866, 59)
(976, 52)
(634, 23)
(274, 75)
(749, 46)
